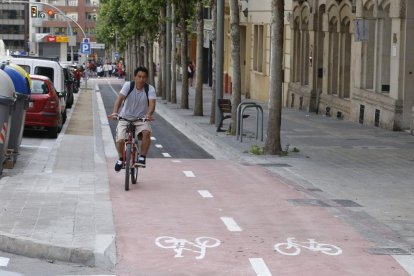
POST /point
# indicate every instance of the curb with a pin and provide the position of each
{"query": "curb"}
(100, 257)
(198, 135)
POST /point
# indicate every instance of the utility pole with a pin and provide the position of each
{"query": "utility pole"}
(168, 53)
(219, 57)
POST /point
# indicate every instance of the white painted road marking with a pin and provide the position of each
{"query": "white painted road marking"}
(165, 154)
(260, 267)
(178, 245)
(33, 147)
(189, 173)
(406, 261)
(292, 248)
(4, 261)
(205, 193)
(159, 146)
(153, 138)
(231, 224)
(176, 161)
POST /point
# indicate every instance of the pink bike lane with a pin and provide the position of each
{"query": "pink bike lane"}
(211, 217)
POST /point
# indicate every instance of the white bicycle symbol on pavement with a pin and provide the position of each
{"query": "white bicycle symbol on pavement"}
(292, 248)
(179, 245)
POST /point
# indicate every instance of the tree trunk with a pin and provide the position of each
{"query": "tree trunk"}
(273, 143)
(136, 51)
(173, 57)
(184, 62)
(235, 56)
(213, 7)
(151, 68)
(146, 59)
(162, 55)
(198, 104)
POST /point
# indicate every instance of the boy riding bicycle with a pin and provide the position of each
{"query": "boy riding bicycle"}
(139, 102)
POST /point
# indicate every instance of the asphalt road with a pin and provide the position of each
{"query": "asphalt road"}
(172, 141)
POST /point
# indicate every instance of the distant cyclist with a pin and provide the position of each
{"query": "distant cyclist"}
(139, 102)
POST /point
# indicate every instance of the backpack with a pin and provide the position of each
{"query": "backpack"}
(132, 86)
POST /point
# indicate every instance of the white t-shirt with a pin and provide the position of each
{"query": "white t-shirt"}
(136, 104)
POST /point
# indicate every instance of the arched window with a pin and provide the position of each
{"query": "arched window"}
(384, 53)
(305, 52)
(345, 64)
(296, 51)
(368, 52)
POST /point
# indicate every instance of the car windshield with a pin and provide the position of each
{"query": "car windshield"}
(39, 87)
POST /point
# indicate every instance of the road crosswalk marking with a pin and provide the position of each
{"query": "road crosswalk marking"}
(260, 267)
(4, 261)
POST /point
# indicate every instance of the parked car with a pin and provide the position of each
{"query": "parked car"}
(51, 69)
(45, 111)
(70, 84)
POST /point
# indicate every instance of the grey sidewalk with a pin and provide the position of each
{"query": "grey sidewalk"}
(55, 203)
(337, 160)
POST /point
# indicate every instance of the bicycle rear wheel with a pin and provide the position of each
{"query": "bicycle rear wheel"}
(127, 165)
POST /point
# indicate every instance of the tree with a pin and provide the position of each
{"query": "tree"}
(173, 56)
(235, 55)
(213, 7)
(273, 143)
(198, 104)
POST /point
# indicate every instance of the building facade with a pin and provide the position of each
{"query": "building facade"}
(14, 31)
(352, 60)
(49, 26)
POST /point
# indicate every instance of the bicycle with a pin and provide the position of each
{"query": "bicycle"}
(131, 152)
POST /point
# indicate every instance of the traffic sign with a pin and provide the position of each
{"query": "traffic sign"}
(86, 40)
(116, 54)
(85, 48)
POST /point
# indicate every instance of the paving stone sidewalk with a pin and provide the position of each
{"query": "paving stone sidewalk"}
(55, 203)
(365, 174)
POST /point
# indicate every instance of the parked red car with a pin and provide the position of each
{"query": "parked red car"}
(44, 112)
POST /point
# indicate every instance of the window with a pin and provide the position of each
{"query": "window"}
(39, 87)
(44, 71)
(258, 48)
(26, 68)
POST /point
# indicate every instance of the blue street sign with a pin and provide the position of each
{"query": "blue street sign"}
(85, 48)
(116, 55)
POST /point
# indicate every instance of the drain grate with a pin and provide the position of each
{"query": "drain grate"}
(388, 251)
(278, 165)
(314, 190)
(309, 202)
(346, 203)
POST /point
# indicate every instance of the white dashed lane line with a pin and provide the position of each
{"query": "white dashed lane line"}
(4, 261)
(153, 138)
(260, 267)
(189, 173)
(167, 155)
(231, 224)
(205, 194)
(158, 146)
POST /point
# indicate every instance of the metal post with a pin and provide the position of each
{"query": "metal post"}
(219, 57)
(168, 54)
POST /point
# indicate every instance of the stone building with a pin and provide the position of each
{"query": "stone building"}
(352, 60)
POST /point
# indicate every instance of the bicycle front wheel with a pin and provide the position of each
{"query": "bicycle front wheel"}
(127, 165)
(134, 170)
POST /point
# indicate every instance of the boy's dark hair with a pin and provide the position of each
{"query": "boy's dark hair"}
(141, 69)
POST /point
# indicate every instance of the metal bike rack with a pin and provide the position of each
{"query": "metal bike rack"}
(240, 113)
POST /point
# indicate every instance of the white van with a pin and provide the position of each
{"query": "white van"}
(49, 68)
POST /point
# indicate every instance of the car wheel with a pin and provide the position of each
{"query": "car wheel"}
(70, 101)
(60, 123)
(52, 132)
(64, 117)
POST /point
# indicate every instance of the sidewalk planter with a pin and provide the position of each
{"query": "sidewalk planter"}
(7, 100)
(21, 81)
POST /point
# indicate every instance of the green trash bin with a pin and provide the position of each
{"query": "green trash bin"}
(7, 100)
